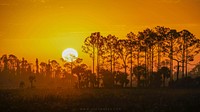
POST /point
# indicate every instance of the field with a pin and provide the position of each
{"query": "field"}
(100, 100)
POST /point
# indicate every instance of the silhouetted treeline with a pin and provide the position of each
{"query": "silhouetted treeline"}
(151, 57)
(155, 57)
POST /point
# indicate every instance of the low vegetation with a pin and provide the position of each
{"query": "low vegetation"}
(96, 100)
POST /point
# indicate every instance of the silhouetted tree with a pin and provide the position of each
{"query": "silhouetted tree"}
(4, 59)
(190, 48)
(161, 43)
(134, 44)
(43, 68)
(123, 52)
(92, 45)
(55, 66)
(139, 71)
(165, 73)
(32, 78)
(110, 43)
(37, 66)
(21, 84)
(172, 36)
(155, 79)
(12, 63)
(79, 71)
(108, 78)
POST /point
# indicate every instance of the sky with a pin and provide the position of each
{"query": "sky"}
(44, 28)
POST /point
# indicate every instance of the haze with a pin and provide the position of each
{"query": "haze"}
(44, 28)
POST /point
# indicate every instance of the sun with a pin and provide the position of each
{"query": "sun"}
(69, 54)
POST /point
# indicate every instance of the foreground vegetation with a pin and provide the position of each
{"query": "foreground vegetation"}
(96, 100)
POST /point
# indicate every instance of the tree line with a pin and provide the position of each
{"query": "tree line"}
(150, 58)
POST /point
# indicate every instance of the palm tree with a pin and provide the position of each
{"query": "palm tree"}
(37, 66)
(165, 72)
(139, 71)
(108, 78)
(55, 66)
(4, 59)
(121, 78)
(79, 71)
(43, 67)
(13, 63)
(32, 78)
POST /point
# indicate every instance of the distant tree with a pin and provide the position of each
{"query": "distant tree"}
(43, 68)
(108, 78)
(18, 67)
(4, 59)
(92, 78)
(139, 71)
(110, 43)
(121, 78)
(37, 66)
(80, 72)
(134, 44)
(155, 79)
(21, 84)
(165, 73)
(32, 78)
(195, 70)
(55, 66)
(123, 51)
(12, 63)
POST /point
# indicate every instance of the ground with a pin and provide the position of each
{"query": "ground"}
(100, 100)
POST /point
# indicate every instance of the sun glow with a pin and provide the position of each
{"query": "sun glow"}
(69, 54)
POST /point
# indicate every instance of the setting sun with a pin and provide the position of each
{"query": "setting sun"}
(69, 54)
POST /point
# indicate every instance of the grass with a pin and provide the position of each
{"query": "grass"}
(99, 100)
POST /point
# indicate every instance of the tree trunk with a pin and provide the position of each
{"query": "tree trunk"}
(131, 68)
(31, 84)
(111, 59)
(152, 58)
(171, 59)
(183, 58)
(98, 36)
(186, 61)
(163, 80)
(159, 57)
(138, 58)
(138, 81)
(114, 62)
(93, 58)
(177, 72)
(145, 61)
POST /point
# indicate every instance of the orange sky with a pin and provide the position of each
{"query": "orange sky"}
(44, 28)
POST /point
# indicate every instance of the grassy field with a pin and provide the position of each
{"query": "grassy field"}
(100, 100)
